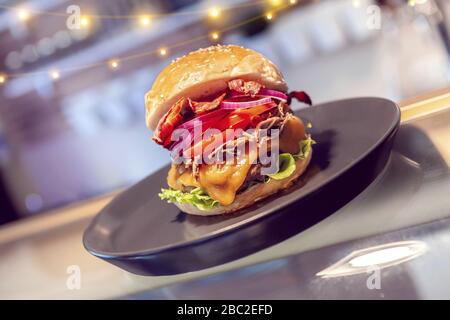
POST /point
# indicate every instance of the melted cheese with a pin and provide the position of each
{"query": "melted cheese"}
(178, 181)
(221, 182)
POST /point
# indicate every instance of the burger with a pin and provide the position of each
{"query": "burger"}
(224, 114)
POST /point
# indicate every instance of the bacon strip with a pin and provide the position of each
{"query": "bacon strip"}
(173, 118)
(203, 107)
(246, 87)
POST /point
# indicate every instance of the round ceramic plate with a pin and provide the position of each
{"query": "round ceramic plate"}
(145, 235)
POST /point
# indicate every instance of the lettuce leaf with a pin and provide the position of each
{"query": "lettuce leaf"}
(286, 167)
(197, 197)
(286, 161)
(305, 148)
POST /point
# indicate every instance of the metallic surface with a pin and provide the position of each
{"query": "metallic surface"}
(412, 192)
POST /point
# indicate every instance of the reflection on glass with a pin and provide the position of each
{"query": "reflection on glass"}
(382, 256)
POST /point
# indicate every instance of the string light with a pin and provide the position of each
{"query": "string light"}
(276, 3)
(214, 12)
(23, 14)
(114, 64)
(214, 36)
(3, 78)
(54, 74)
(163, 52)
(145, 20)
(85, 22)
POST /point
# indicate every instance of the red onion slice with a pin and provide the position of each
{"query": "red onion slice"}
(232, 105)
(274, 94)
(301, 96)
(234, 94)
(264, 93)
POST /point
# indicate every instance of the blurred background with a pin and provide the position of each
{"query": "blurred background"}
(72, 86)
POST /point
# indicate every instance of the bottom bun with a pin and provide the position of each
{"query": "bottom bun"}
(251, 195)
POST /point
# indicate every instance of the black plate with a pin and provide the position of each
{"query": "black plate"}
(144, 235)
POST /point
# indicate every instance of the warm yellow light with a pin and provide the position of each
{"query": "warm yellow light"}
(276, 3)
(269, 16)
(214, 36)
(145, 20)
(214, 12)
(54, 75)
(85, 22)
(114, 64)
(356, 3)
(292, 1)
(412, 3)
(163, 52)
(23, 14)
(373, 258)
(2, 78)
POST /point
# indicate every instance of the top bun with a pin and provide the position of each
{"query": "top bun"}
(205, 72)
